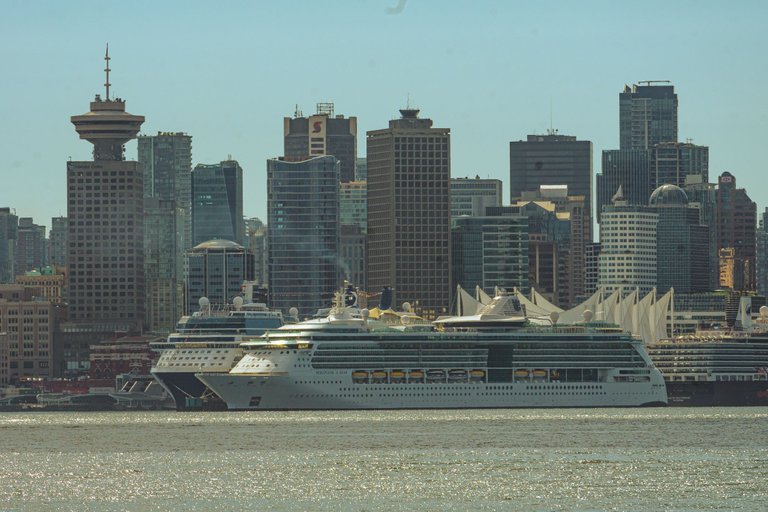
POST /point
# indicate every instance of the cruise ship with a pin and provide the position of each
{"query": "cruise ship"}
(208, 341)
(726, 368)
(495, 358)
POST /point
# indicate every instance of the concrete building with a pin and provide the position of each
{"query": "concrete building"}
(217, 202)
(30, 246)
(303, 227)
(164, 302)
(322, 134)
(647, 115)
(552, 159)
(762, 254)
(682, 243)
(216, 270)
(409, 237)
(105, 208)
(9, 226)
(627, 247)
(44, 284)
(28, 326)
(736, 229)
(490, 251)
(471, 196)
(57, 242)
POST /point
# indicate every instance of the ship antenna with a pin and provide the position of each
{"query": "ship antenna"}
(107, 59)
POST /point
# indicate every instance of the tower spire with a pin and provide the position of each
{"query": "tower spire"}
(107, 59)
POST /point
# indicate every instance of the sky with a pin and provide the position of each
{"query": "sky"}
(227, 72)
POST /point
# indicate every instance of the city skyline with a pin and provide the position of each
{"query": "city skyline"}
(511, 70)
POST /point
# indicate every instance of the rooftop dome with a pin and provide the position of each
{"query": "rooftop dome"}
(668, 195)
(218, 244)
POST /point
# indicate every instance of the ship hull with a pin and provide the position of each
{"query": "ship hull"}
(335, 392)
(183, 385)
(718, 393)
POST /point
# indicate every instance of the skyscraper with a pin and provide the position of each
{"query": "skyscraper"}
(647, 115)
(762, 254)
(673, 162)
(9, 226)
(409, 237)
(217, 202)
(470, 196)
(322, 134)
(258, 244)
(702, 195)
(167, 162)
(552, 159)
(629, 169)
(353, 217)
(303, 226)
(57, 252)
(105, 208)
(736, 231)
(216, 270)
(30, 246)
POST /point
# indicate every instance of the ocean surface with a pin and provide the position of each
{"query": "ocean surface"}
(564, 459)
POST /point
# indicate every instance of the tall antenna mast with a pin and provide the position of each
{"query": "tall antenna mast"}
(107, 59)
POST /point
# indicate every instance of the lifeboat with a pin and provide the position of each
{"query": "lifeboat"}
(360, 377)
(476, 375)
(539, 374)
(435, 375)
(415, 376)
(457, 376)
(378, 376)
(396, 376)
(521, 373)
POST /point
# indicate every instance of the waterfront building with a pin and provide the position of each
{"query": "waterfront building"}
(216, 270)
(564, 229)
(629, 169)
(647, 115)
(30, 246)
(490, 251)
(125, 355)
(44, 284)
(322, 134)
(217, 202)
(361, 169)
(258, 244)
(164, 282)
(472, 196)
(627, 247)
(682, 243)
(303, 227)
(736, 233)
(673, 162)
(9, 225)
(552, 159)
(762, 254)
(57, 242)
(409, 229)
(28, 326)
(105, 209)
(702, 195)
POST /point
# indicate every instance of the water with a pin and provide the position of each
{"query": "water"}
(599, 459)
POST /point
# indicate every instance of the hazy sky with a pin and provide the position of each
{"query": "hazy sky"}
(227, 72)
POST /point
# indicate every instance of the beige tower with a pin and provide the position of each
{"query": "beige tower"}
(409, 213)
(105, 210)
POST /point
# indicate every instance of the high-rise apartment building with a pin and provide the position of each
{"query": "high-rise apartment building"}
(57, 242)
(627, 247)
(303, 227)
(647, 115)
(409, 237)
(9, 226)
(322, 134)
(471, 196)
(673, 162)
(682, 242)
(217, 202)
(490, 251)
(105, 209)
(552, 159)
(736, 230)
(30, 246)
(216, 270)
